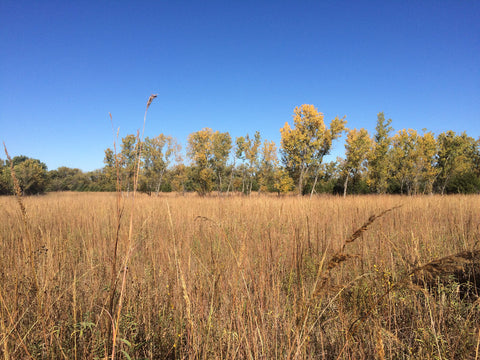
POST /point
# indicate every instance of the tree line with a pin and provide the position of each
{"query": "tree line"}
(401, 162)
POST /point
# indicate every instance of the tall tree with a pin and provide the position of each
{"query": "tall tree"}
(209, 153)
(412, 161)
(268, 166)
(5, 181)
(221, 145)
(111, 169)
(476, 157)
(357, 147)
(378, 159)
(179, 178)
(128, 157)
(455, 156)
(31, 174)
(121, 166)
(247, 150)
(158, 153)
(426, 170)
(304, 146)
(200, 152)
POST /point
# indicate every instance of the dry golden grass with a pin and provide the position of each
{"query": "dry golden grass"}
(239, 277)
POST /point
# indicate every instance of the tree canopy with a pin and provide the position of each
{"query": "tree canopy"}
(304, 146)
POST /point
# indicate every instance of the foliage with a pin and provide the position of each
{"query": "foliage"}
(31, 175)
(378, 159)
(304, 146)
(67, 179)
(179, 179)
(268, 166)
(357, 147)
(121, 165)
(464, 183)
(412, 161)
(283, 182)
(455, 156)
(157, 154)
(6, 186)
(209, 153)
(408, 162)
(128, 155)
(247, 150)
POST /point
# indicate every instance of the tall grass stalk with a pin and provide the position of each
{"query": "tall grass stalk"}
(129, 247)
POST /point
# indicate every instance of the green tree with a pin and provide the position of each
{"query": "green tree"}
(121, 166)
(247, 150)
(97, 180)
(112, 168)
(304, 146)
(378, 160)
(476, 157)
(128, 157)
(67, 179)
(455, 157)
(329, 175)
(232, 170)
(426, 170)
(158, 153)
(357, 147)
(5, 182)
(31, 174)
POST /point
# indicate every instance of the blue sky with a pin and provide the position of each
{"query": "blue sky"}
(236, 66)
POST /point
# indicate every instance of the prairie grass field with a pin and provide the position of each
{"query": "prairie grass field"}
(260, 277)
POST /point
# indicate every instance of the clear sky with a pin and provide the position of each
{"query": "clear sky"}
(236, 66)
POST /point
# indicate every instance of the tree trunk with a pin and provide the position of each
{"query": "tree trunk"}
(229, 183)
(444, 185)
(300, 184)
(314, 184)
(231, 177)
(303, 173)
(345, 186)
(219, 184)
(243, 182)
(159, 184)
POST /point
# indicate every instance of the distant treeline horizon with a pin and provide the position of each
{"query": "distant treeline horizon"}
(386, 162)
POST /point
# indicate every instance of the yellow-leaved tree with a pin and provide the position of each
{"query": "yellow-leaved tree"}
(357, 147)
(412, 161)
(268, 166)
(209, 153)
(304, 146)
